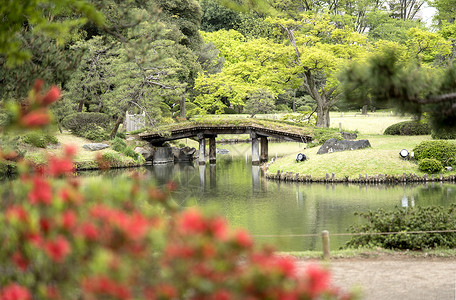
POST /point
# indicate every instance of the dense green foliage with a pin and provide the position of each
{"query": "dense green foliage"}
(79, 122)
(443, 151)
(39, 139)
(444, 134)
(408, 128)
(430, 165)
(403, 220)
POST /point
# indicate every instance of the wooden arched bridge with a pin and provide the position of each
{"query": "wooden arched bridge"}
(258, 134)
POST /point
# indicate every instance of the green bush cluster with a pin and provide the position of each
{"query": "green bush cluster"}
(443, 134)
(408, 128)
(321, 135)
(430, 165)
(119, 145)
(39, 139)
(90, 125)
(304, 108)
(431, 218)
(443, 151)
(94, 133)
(7, 169)
(114, 159)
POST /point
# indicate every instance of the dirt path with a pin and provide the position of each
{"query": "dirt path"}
(391, 278)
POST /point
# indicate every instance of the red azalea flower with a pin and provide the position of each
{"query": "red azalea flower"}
(41, 192)
(137, 226)
(69, 220)
(192, 221)
(34, 239)
(34, 119)
(69, 151)
(104, 285)
(51, 96)
(219, 228)
(45, 225)
(20, 261)
(16, 212)
(15, 292)
(287, 266)
(318, 280)
(57, 249)
(243, 238)
(89, 231)
(60, 166)
(222, 295)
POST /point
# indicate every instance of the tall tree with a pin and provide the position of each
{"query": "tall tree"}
(39, 16)
(250, 66)
(320, 50)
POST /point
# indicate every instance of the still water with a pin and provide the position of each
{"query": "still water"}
(281, 213)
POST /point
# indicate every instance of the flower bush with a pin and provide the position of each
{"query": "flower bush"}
(123, 239)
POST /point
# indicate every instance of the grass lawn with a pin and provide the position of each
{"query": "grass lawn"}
(381, 158)
(83, 156)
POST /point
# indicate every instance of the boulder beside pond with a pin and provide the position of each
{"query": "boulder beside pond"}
(183, 154)
(95, 146)
(334, 145)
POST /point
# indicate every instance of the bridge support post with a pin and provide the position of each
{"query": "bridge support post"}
(264, 149)
(255, 149)
(202, 150)
(212, 150)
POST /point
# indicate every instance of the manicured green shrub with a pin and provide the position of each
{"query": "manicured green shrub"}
(443, 134)
(304, 108)
(79, 122)
(112, 158)
(419, 218)
(130, 153)
(408, 128)
(94, 133)
(430, 165)
(39, 139)
(321, 135)
(117, 144)
(443, 151)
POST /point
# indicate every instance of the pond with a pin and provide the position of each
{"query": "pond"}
(290, 216)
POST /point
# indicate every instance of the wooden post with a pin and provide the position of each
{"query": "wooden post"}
(325, 243)
(202, 150)
(264, 149)
(255, 149)
(212, 150)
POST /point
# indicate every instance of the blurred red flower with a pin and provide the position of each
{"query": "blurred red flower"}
(37, 118)
(15, 292)
(41, 191)
(57, 249)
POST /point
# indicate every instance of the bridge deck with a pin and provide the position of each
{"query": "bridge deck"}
(208, 130)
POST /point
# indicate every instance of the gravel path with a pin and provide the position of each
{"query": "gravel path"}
(393, 278)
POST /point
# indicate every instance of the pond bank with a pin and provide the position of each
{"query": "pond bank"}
(366, 179)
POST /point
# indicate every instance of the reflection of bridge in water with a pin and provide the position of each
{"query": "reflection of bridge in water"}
(258, 135)
(207, 175)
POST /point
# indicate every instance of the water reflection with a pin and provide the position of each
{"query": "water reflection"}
(282, 210)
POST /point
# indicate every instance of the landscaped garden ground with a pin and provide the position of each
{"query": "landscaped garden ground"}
(382, 158)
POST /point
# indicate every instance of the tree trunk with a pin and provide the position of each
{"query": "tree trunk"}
(323, 115)
(119, 121)
(183, 113)
(364, 112)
